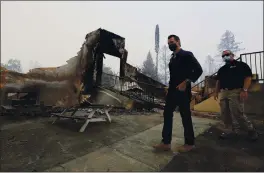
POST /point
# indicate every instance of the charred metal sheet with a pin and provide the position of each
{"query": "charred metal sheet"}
(151, 86)
(142, 95)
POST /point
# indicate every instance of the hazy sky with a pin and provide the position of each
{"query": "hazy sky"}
(53, 32)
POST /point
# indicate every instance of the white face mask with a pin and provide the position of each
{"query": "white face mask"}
(226, 58)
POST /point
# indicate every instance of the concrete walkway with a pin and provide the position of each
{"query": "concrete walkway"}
(135, 152)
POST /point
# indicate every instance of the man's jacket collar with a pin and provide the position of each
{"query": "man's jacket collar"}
(178, 53)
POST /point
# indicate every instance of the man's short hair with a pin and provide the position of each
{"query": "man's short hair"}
(174, 36)
(231, 53)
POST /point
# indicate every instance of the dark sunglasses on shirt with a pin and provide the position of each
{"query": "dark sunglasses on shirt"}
(225, 55)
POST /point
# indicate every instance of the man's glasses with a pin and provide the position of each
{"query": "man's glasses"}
(225, 55)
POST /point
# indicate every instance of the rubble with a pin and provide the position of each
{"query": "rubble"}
(79, 81)
(60, 86)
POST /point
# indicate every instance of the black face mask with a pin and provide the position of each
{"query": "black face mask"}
(172, 46)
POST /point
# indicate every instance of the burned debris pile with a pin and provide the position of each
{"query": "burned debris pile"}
(79, 82)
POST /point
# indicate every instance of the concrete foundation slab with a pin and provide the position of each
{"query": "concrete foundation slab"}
(140, 146)
(123, 145)
(103, 160)
(37, 144)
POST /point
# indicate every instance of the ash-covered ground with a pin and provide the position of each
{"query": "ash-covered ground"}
(35, 144)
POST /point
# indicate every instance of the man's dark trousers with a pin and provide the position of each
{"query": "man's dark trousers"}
(182, 99)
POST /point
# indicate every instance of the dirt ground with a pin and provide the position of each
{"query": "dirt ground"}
(37, 144)
(217, 155)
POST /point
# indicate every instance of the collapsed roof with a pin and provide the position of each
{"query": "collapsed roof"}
(110, 43)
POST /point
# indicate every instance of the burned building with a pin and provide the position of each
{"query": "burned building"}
(80, 79)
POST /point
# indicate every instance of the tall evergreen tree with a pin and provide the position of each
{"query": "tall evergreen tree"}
(164, 64)
(228, 42)
(148, 67)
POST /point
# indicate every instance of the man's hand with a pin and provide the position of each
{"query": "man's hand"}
(216, 96)
(243, 95)
(182, 86)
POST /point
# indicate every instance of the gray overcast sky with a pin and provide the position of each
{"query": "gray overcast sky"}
(52, 32)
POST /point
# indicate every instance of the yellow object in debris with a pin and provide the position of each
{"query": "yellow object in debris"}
(129, 105)
(255, 87)
(208, 105)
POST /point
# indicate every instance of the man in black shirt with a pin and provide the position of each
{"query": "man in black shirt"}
(184, 69)
(233, 80)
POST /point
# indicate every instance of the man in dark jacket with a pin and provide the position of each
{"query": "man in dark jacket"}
(184, 69)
